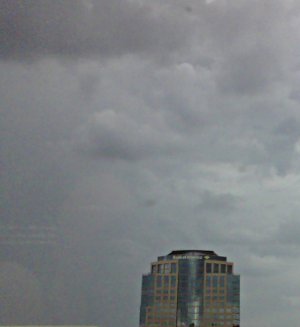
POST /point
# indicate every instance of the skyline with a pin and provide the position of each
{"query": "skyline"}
(139, 126)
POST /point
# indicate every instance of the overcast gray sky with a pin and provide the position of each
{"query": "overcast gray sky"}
(146, 126)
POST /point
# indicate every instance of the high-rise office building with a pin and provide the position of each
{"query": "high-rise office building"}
(190, 288)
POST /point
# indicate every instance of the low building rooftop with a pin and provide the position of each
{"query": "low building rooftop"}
(194, 252)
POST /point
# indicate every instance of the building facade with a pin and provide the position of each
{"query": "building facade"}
(190, 288)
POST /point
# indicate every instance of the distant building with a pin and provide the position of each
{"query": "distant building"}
(190, 288)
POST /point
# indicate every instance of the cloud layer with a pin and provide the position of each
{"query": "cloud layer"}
(142, 127)
(78, 29)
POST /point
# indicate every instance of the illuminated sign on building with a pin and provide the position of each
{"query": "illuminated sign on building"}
(199, 257)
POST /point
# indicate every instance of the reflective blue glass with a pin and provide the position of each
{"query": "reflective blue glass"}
(190, 292)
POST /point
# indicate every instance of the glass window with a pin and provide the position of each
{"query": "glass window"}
(208, 281)
(173, 281)
(166, 281)
(223, 269)
(215, 281)
(208, 267)
(222, 281)
(229, 269)
(160, 269)
(167, 268)
(216, 268)
(153, 270)
(158, 281)
(173, 268)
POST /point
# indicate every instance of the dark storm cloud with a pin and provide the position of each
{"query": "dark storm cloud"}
(74, 28)
(250, 72)
(114, 136)
(251, 49)
(288, 233)
(224, 203)
(133, 159)
(31, 147)
(281, 146)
